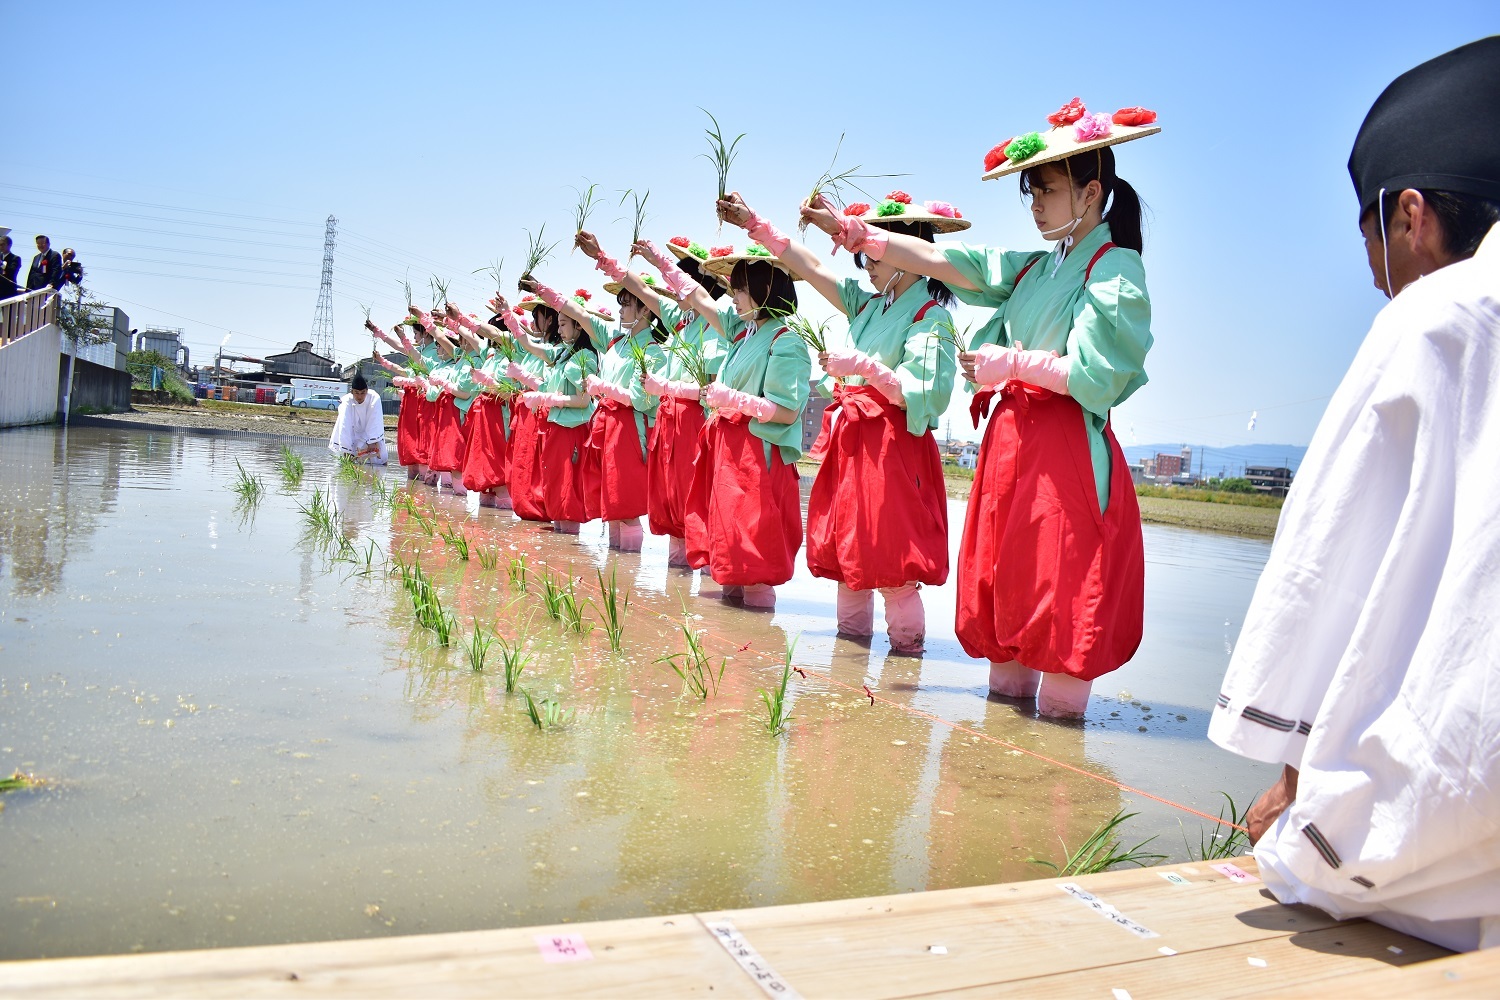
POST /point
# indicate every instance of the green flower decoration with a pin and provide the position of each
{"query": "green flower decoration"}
(698, 250)
(756, 250)
(890, 208)
(1024, 147)
(649, 280)
(581, 300)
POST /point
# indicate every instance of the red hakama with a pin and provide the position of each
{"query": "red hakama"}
(744, 518)
(526, 495)
(563, 476)
(1044, 578)
(878, 513)
(670, 462)
(486, 455)
(448, 437)
(617, 472)
(410, 428)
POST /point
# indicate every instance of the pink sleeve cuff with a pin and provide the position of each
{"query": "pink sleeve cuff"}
(767, 235)
(610, 266)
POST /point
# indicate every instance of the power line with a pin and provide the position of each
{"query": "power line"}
(147, 204)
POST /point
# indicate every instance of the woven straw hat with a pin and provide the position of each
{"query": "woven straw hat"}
(1071, 130)
(721, 261)
(898, 207)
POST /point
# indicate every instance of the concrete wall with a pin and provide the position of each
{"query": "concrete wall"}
(99, 388)
(28, 378)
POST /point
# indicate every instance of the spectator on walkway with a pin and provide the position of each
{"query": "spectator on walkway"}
(72, 270)
(46, 267)
(10, 269)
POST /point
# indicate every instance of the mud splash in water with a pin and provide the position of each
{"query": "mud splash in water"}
(253, 744)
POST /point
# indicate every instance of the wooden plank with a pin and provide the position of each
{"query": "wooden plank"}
(1010, 932)
(647, 957)
(1475, 974)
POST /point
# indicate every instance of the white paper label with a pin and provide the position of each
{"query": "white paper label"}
(1106, 911)
(749, 959)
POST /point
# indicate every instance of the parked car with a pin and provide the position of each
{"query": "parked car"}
(318, 401)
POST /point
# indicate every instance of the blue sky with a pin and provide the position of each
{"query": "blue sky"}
(192, 152)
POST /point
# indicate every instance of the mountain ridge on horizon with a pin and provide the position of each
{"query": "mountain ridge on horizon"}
(1230, 460)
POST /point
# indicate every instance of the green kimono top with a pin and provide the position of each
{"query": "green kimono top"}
(773, 362)
(694, 331)
(463, 375)
(425, 359)
(442, 367)
(924, 362)
(1103, 327)
(567, 377)
(618, 367)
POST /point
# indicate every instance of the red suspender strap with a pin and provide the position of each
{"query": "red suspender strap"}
(1106, 248)
(923, 311)
(1026, 267)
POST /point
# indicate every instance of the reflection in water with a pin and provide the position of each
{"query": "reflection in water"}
(255, 743)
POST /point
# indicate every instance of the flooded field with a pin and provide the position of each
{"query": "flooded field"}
(250, 740)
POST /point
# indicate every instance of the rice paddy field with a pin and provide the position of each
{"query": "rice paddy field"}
(268, 705)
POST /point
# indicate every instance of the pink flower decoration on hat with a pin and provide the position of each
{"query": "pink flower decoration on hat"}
(604, 311)
(857, 208)
(1135, 116)
(942, 208)
(1068, 113)
(1092, 127)
(900, 196)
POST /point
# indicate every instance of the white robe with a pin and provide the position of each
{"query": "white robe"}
(1370, 656)
(357, 426)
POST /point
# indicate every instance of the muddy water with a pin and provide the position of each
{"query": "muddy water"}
(253, 744)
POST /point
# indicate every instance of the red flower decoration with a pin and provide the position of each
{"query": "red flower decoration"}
(996, 155)
(721, 251)
(1134, 116)
(518, 310)
(527, 298)
(957, 214)
(680, 241)
(858, 208)
(1068, 113)
(900, 196)
(582, 293)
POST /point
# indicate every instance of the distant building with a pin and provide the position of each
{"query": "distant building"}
(812, 420)
(301, 362)
(1167, 466)
(1266, 479)
(968, 456)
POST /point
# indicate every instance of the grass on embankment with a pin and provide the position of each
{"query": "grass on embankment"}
(1251, 514)
(228, 410)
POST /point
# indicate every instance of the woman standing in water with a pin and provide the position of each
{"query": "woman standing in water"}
(1051, 569)
(877, 518)
(542, 343)
(744, 514)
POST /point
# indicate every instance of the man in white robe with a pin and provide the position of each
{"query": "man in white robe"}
(1369, 662)
(359, 428)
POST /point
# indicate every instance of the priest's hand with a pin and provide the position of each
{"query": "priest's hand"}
(1269, 807)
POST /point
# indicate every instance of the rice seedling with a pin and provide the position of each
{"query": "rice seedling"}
(720, 154)
(777, 716)
(947, 332)
(571, 608)
(488, 555)
(367, 558)
(495, 271)
(322, 521)
(692, 358)
(291, 468)
(429, 607)
(552, 595)
(1102, 851)
(612, 607)
(405, 284)
(700, 677)
(514, 658)
(640, 357)
(537, 250)
(250, 488)
(584, 207)
(439, 293)
(1223, 840)
(424, 522)
(638, 217)
(457, 541)
(478, 649)
(833, 183)
(519, 575)
(547, 713)
(349, 471)
(21, 782)
(815, 337)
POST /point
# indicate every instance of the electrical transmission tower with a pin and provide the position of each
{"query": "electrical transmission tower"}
(322, 324)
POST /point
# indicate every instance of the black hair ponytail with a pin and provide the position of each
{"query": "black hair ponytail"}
(1124, 216)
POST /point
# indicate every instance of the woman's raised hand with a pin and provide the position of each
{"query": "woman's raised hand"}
(733, 210)
(528, 284)
(820, 213)
(586, 242)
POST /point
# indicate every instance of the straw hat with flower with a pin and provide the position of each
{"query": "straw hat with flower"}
(898, 207)
(721, 260)
(1071, 130)
(682, 248)
(581, 296)
(650, 281)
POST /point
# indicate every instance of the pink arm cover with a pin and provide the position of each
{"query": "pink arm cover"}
(677, 280)
(767, 235)
(610, 266)
(1042, 369)
(517, 374)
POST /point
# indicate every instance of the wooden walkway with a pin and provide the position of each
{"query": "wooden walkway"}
(1121, 935)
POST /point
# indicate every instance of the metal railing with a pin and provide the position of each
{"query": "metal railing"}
(27, 313)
